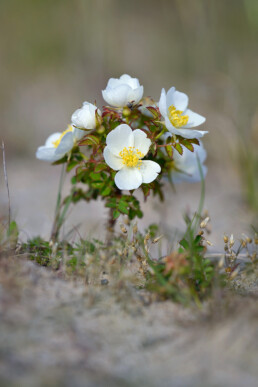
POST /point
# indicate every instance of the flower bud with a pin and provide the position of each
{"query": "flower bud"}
(126, 111)
(225, 239)
(231, 241)
(204, 222)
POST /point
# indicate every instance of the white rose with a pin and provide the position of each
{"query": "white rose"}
(123, 91)
(58, 144)
(178, 118)
(124, 152)
(85, 117)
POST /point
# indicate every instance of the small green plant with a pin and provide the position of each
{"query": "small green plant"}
(186, 274)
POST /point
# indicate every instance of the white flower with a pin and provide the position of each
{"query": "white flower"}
(85, 117)
(58, 144)
(123, 91)
(185, 166)
(178, 118)
(124, 152)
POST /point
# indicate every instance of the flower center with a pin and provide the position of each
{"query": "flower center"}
(57, 142)
(131, 157)
(176, 118)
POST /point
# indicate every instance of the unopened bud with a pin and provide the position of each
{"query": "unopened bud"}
(209, 243)
(204, 222)
(243, 243)
(126, 111)
(100, 129)
(234, 274)
(231, 241)
(123, 229)
(135, 228)
(147, 237)
(248, 240)
(225, 239)
(221, 263)
(157, 239)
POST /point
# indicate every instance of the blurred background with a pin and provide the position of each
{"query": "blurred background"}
(54, 54)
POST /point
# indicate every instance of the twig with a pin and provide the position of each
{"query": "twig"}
(7, 186)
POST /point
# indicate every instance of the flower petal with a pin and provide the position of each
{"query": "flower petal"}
(194, 119)
(128, 178)
(163, 103)
(48, 154)
(119, 138)
(117, 96)
(135, 95)
(78, 134)
(51, 139)
(141, 142)
(85, 116)
(186, 133)
(187, 165)
(149, 170)
(190, 133)
(66, 144)
(113, 161)
(133, 82)
(178, 99)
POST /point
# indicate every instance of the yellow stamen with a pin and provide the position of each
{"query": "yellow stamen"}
(131, 157)
(176, 118)
(57, 142)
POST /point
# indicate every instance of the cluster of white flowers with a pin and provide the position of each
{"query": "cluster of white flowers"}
(126, 148)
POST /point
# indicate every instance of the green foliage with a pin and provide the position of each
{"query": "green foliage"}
(8, 236)
(125, 204)
(185, 275)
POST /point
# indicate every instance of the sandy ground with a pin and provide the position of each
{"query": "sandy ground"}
(60, 333)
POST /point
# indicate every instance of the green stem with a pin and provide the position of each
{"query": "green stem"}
(56, 224)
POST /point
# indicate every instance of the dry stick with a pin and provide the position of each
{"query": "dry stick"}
(7, 186)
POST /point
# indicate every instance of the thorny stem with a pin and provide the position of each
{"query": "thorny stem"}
(111, 222)
(110, 226)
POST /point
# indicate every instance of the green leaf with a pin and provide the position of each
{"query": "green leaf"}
(184, 244)
(169, 151)
(122, 207)
(154, 112)
(105, 191)
(71, 165)
(12, 234)
(187, 144)
(90, 140)
(97, 184)
(194, 141)
(116, 214)
(95, 176)
(61, 161)
(13, 229)
(179, 148)
(100, 167)
(111, 203)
